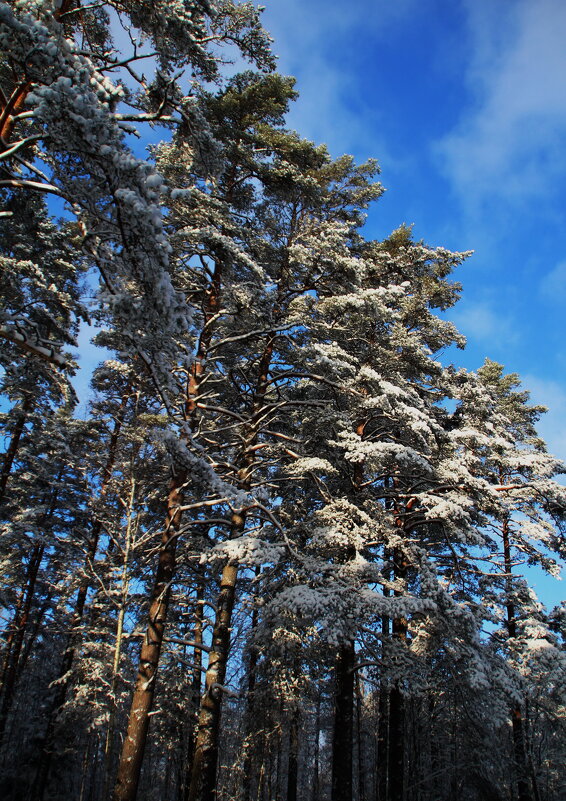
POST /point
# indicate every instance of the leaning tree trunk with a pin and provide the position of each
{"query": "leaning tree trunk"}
(11, 668)
(12, 449)
(131, 758)
(133, 748)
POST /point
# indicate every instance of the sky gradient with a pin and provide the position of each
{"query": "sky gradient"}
(463, 103)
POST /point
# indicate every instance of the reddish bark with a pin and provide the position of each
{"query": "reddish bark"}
(134, 743)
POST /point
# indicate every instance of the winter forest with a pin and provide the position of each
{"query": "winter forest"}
(284, 555)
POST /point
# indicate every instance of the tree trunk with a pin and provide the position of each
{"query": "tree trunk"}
(396, 751)
(360, 739)
(138, 723)
(12, 449)
(316, 765)
(124, 590)
(203, 779)
(516, 715)
(343, 725)
(396, 759)
(293, 763)
(64, 675)
(382, 742)
(11, 671)
(251, 707)
(196, 688)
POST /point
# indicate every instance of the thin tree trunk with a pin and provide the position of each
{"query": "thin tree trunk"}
(196, 688)
(516, 714)
(11, 451)
(343, 725)
(13, 663)
(396, 750)
(138, 723)
(251, 707)
(64, 675)
(124, 590)
(203, 780)
(382, 742)
(383, 722)
(396, 743)
(316, 765)
(20, 625)
(293, 763)
(360, 738)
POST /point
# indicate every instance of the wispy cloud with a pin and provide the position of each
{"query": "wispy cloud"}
(511, 136)
(311, 40)
(552, 426)
(479, 322)
(553, 285)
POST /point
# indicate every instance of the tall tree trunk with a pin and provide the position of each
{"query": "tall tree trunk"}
(382, 764)
(361, 740)
(138, 723)
(293, 761)
(12, 449)
(203, 779)
(382, 742)
(396, 750)
(316, 763)
(196, 688)
(251, 707)
(516, 714)
(64, 675)
(343, 724)
(20, 623)
(396, 767)
(124, 591)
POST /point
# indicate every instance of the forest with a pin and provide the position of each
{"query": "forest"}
(284, 555)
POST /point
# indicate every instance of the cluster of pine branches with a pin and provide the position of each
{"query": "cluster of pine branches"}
(284, 555)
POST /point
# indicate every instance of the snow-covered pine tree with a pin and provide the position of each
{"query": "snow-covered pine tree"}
(389, 504)
(525, 512)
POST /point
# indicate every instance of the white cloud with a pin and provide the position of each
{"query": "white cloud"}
(511, 140)
(310, 41)
(480, 322)
(552, 426)
(553, 285)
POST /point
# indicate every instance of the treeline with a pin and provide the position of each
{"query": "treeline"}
(283, 555)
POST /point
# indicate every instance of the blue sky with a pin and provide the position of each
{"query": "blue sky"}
(463, 103)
